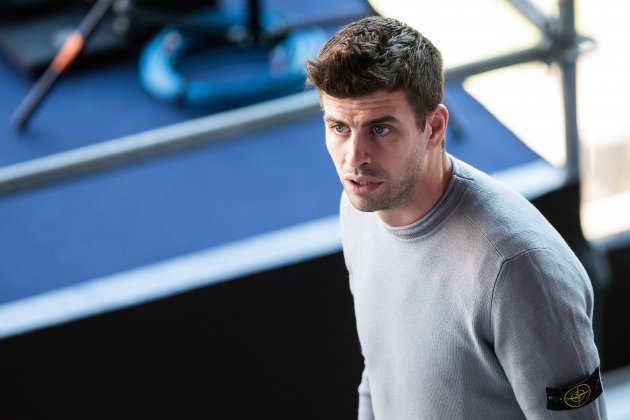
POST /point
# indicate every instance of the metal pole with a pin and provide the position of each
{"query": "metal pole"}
(161, 141)
(64, 58)
(540, 52)
(568, 67)
(544, 23)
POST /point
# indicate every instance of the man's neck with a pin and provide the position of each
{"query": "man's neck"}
(429, 191)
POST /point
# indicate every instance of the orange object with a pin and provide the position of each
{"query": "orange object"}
(68, 52)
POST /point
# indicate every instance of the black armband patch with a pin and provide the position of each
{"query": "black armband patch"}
(575, 396)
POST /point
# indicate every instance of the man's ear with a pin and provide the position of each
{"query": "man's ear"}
(437, 122)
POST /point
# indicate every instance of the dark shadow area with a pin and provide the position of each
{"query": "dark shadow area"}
(616, 312)
(277, 345)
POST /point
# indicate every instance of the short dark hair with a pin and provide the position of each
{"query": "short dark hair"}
(377, 53)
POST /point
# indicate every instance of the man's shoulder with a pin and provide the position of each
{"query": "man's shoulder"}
(504, 217)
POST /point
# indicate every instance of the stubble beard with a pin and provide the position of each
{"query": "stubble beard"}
(397, 193)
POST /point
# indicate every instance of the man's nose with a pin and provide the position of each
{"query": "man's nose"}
(358, 153)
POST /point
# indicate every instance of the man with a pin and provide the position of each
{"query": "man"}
(469, 305)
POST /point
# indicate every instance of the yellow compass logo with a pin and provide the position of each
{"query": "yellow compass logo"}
(577, 396)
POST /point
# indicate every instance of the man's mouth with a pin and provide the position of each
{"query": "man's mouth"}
(362, 186)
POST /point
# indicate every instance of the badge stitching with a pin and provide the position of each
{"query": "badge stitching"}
(575, 396)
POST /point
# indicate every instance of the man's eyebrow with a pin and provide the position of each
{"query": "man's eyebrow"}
(375, 121)
(381, 120)
(332, 119)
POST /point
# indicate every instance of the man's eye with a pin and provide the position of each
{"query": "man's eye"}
(380, 130)
(339, 128)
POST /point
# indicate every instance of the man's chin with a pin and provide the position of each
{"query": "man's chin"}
(363, 204)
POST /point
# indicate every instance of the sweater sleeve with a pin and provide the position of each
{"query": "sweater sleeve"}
(365, 396)
(541, 325)
(365, 399)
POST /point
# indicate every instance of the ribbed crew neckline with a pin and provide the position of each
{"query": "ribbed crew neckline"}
(432, 220)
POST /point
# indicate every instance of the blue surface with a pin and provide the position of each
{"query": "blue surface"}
(87, 106)
(145, 213)
(126, 218)
(84, 107)
(118, 220)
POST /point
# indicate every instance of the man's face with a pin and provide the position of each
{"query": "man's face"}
(378, 150)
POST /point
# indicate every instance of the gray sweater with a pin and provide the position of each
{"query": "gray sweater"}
(471, 312)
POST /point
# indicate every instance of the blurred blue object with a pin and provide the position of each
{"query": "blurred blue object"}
(257, 71)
